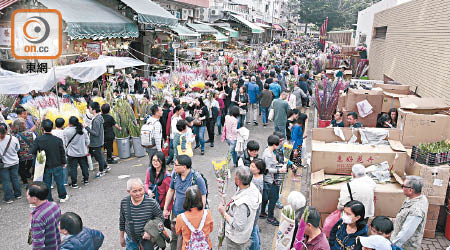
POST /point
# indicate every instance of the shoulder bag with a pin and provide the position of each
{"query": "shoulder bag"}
(2, 164)
(349, 191)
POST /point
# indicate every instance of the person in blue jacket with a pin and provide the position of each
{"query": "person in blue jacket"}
(77, 237)
(350, 226)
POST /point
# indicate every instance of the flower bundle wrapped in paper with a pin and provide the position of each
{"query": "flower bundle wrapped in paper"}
(298, 243)
(222, 172)
(287, 151)
(286, 229)
(40, 166)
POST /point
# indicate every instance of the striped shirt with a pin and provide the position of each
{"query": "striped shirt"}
(44, 226)
(140, 215)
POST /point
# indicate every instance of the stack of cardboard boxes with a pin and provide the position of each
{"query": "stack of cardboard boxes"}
(338, 158)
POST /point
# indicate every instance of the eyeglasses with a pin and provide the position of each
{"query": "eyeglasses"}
(177, 164)
(404, 186)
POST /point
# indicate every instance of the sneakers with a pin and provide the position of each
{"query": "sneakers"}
(19, 197)
(107, 169)
(264, 124)
(74, 185)
(279, 205)
(99, 174)
(255, 123)
(66, 184)
(9, 202)
(85, 182)
(273, 221)
(203, 152)
(65, 199)
(263, 215)
(111, 161)
(211, 145)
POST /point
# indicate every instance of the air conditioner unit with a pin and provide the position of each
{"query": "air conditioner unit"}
(214, 12)
(177, 14)
(184, 14)
(204, 15)
(191, 12)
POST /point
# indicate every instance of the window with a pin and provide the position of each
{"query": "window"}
(380, 32)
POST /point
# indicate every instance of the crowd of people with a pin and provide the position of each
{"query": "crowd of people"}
(175, 196)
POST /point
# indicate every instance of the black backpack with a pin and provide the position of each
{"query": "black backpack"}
(194, 181)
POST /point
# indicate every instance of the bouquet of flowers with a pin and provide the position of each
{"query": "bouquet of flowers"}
(287, 151)
(222, 172)
(286, 229)
(298, 243)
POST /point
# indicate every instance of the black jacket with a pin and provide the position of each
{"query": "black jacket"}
(53, 148)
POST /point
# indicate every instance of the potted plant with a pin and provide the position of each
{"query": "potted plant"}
(120, 112)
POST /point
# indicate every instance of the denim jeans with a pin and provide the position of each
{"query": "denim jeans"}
(255, 238)
(241, 121)
(96, 152)
(73, 166)
(171, 152)
(264, 114)
(57, 174)
(65, 176)
(130, 244)
(271, 195)
(253, 110)
(219, 124)
(10, 177)
(281, 129)
(232, 149)
(200, 133)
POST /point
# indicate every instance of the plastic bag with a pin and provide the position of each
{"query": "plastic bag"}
(165, 148)
(330, 221)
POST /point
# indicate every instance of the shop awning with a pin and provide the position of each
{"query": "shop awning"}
(183, 31)
(151, 13)
(6, 3)
(253, 27)
(262, 25)
(229, 31)
(277, 27)
(202, 28)
(90, 19)
(221, 37)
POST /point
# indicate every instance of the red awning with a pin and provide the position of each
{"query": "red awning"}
(6, 3)
(277, 27)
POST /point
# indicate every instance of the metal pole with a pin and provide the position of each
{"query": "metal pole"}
(54, 78)
(273, 10)
(174, 60)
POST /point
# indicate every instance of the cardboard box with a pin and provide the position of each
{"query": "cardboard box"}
(433, 212)
(374, 97)
(341, 101)
(429, 234)
(391, 100)
(435, 180)
(393, 88)
(338, 158)
(423, 120)
(388, 198)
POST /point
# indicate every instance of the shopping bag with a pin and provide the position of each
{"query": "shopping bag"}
(285, 233)
(188, 150)
(271, 114)
(330, 221)
(165, 149)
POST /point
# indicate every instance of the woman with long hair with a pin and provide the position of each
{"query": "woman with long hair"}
(77, 139)
(351, 225)
(230, 132)
(157, 180)
(242, 100)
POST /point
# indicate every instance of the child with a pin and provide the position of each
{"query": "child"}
(59, 132)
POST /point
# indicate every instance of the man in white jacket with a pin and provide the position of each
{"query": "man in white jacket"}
(362, 189)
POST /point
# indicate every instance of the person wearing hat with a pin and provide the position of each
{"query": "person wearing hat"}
(375, 242)
(158, 236)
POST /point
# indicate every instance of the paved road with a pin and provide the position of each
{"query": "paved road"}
(98, 203)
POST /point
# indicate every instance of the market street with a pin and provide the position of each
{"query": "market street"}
(98, 203)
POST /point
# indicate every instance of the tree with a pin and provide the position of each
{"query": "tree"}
(340, 13)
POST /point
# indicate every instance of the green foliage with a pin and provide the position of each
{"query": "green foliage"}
(341, 13)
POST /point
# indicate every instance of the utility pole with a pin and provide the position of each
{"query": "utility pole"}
(271, 30)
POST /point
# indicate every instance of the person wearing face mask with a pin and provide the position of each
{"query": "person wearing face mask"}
(362, 189)
(351, 225)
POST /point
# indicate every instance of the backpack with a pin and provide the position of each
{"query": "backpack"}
(147, 137)
(198, 240)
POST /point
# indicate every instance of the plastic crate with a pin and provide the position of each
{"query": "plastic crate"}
(430, 159)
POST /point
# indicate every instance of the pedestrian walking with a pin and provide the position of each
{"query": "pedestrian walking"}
(213, 113)
(242, 101)
(182, 178)
(178, 111)
(77, 142)
(266, 98)
(258, 169)
(195, 224)
(200, 114)
(240, 214)
(45, 217)
(108, 125)
(253, 95)
(26, 139)
(280, 110)
(55, 159)
(97, 136)
(9, 172)
(75, 236)
(230, 132)
(136, 210)
(249, 154)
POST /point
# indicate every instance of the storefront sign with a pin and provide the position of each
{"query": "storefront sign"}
(5, 36)
(94, 50)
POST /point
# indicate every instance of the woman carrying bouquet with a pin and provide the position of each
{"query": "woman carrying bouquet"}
(200, 114)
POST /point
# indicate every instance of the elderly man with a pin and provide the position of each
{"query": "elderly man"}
(362, 189)
(409, 224)
(253, 94)
(135, 211)
(240, 213)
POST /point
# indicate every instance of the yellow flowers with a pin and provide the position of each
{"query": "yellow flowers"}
(198, 84)
(100, 100)
(218, 166)
(66, 111)
(81, 106)
(159, 85)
